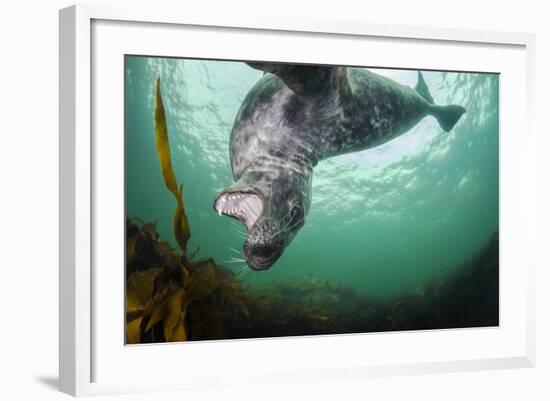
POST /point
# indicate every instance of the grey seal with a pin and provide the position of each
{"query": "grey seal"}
(293, 117)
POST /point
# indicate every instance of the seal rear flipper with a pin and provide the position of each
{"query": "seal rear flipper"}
(422, 89)
(302, 79)
(447, 116)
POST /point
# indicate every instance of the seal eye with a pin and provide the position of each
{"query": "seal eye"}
(296, 214)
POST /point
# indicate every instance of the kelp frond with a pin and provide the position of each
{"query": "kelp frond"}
(180, 224)
(171, 298)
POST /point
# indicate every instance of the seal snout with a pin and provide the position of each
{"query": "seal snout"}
(263, 255)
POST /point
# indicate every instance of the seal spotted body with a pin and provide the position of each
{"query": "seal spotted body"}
(295, 116)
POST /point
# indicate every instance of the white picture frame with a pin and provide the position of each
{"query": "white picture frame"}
(80, 344)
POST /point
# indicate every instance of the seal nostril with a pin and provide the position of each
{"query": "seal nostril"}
(263, 251)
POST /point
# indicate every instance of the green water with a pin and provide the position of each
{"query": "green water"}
(383, 221)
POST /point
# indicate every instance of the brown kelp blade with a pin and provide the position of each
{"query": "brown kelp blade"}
(180, 223)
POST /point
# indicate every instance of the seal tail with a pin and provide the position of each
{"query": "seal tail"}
(447, 116)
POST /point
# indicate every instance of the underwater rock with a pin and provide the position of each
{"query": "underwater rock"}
(467, 296)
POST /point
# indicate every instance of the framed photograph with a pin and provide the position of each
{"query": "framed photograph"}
(284, 200)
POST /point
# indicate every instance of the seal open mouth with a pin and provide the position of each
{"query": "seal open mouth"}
(245, 206)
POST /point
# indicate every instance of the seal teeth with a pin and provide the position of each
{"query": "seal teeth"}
(232, 204)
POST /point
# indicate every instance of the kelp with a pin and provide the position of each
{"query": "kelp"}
(171, 296)
(180, 223)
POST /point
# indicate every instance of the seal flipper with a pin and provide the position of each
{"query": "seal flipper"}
(447, 116)
(422, 89)
(302, 79)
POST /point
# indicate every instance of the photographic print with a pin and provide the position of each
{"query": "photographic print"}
(268, 199)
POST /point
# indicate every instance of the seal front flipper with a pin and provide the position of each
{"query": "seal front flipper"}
(302, 79)
(447, 116)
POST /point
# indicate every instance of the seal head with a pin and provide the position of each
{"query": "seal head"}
(272, 206)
